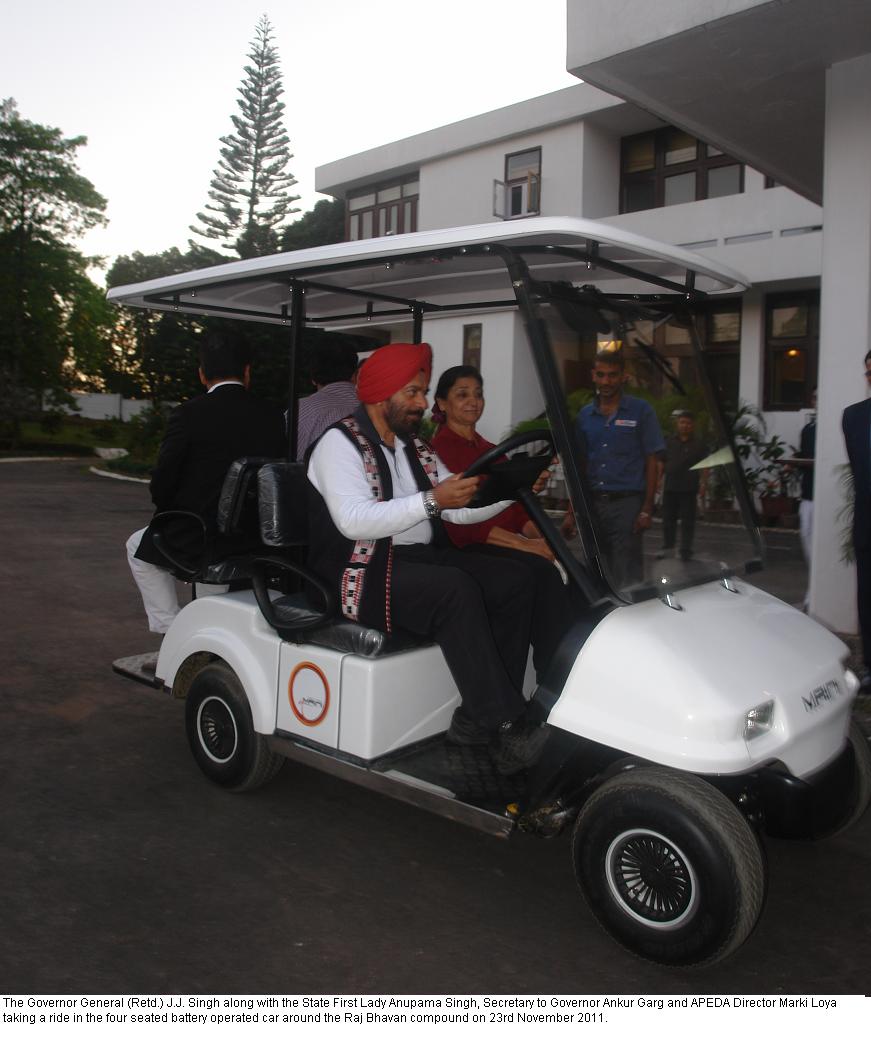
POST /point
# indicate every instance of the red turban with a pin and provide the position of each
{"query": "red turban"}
(390, 368)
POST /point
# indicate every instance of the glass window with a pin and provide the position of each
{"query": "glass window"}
(639, 154)
(790, 321)
(472, 345)
(522, 164)
(669, 166)
(357, 202)
(680, 188)
(724, 326)
(680, 147)
(392, 192)
(724, 181)
(791, 349)
(384, 210)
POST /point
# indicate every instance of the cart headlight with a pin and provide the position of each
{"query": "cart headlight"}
(852, 683)
(758, 720)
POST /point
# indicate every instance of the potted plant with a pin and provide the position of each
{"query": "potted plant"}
(765, 460)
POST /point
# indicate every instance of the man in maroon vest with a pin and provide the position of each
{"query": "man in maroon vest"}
(376, 533)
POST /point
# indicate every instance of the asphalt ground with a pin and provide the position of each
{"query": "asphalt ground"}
(122, 869)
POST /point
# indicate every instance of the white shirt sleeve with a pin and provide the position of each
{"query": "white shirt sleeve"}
(336, 472)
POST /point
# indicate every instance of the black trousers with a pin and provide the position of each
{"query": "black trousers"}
(863, 600)
(478, 612)
(552, 612)
(678, 507)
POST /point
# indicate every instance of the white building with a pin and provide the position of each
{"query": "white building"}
(691, 175)
(784, 86)
(584, 153)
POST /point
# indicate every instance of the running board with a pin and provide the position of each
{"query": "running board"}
(135, 668)
(398, 785)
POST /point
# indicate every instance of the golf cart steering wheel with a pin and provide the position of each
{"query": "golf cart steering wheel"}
(505, 478)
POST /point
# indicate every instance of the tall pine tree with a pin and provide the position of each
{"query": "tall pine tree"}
(250, 188)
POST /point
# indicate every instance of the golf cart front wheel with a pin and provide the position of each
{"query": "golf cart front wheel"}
(669, 867)
(221, 733)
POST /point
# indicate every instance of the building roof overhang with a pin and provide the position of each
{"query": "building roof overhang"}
(748, 76)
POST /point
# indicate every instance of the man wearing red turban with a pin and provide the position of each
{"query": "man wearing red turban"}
(376, 533)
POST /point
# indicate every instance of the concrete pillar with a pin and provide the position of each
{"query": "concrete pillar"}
(750, 374)
(845, 315)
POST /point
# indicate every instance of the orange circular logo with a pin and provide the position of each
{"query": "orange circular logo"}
(309, 693)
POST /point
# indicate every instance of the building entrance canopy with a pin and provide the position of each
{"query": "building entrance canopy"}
(582, 288)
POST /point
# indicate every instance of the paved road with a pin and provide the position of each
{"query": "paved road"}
(124, 870)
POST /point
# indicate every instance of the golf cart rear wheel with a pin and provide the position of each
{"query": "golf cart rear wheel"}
(669, 866)
(221, 733)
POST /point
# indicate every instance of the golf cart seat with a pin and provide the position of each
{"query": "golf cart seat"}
(237, 524)
(282, 499)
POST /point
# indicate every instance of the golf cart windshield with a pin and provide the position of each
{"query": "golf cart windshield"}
(578, 288)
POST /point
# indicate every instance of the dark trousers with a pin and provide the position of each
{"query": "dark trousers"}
(678, 507)
(551, 604)
(624, 549)
(479, 614)
(863, 600)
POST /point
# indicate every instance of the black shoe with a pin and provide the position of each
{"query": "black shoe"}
(865, 682)
(519, 746)
(465, 732)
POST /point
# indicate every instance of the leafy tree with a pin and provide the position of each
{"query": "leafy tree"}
(250, 188)
(44, 204)
(155, 353)
(325, 223)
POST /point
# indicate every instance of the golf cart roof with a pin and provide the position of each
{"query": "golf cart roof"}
(445, 270)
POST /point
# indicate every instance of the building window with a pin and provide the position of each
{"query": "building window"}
(668, 166)
(383, 210)
(472, 345)
(519, 195)
(718, 326)
(792, 328)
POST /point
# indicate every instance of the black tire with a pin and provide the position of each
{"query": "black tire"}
(860, 794)
(221, 733)
(669, 866)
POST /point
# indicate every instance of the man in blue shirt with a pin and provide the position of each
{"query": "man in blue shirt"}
(621, 441)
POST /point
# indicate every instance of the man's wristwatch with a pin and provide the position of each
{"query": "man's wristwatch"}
(431, 505)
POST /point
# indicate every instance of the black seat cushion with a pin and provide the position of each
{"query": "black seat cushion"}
(341, 634)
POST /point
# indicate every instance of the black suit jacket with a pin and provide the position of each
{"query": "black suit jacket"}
(203, 438)
(856, 423)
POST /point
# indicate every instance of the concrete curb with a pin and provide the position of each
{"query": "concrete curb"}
(115, 475)
(21, 460)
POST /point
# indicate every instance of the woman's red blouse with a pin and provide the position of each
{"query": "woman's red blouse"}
(458, 454)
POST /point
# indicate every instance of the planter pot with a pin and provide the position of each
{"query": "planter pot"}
(775, 506)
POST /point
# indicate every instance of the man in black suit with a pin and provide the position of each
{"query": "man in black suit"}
(856, 423)
(203, 437)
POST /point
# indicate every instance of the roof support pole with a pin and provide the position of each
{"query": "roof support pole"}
(297, 326)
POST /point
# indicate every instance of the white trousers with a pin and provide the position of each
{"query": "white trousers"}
(156, 586)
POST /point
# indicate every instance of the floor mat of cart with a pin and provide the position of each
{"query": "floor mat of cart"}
(467, 772)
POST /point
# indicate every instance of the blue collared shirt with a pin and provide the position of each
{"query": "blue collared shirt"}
(615, 447)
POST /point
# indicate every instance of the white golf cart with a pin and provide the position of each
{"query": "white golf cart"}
(689, 712)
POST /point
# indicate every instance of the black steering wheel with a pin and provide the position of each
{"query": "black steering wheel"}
(506, 477)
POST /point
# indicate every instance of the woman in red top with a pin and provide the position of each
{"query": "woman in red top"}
(459, 403)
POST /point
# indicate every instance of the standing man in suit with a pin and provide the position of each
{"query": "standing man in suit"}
(856, 423)
(203, 437)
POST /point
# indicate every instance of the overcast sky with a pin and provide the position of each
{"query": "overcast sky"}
(152, 85)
